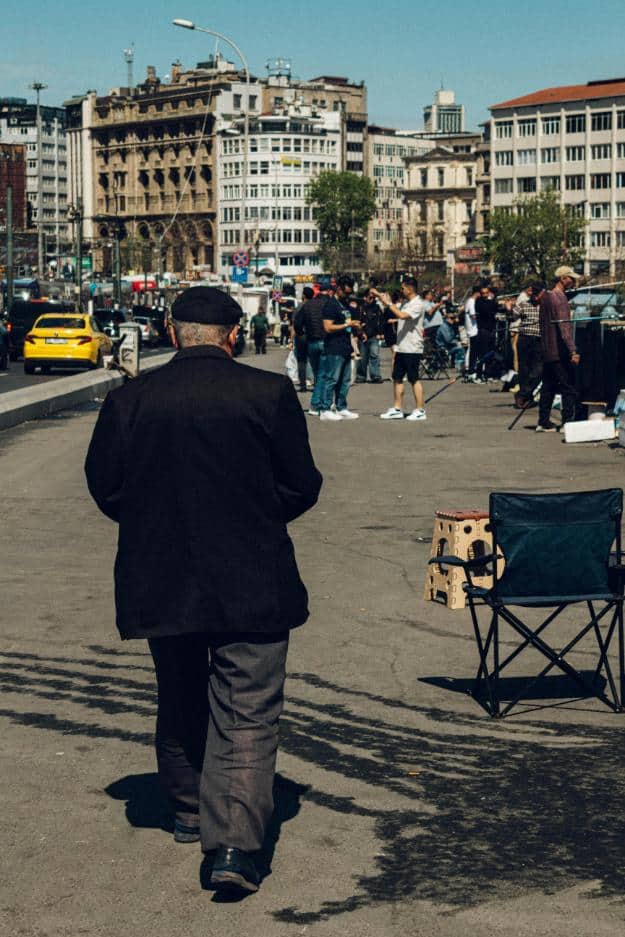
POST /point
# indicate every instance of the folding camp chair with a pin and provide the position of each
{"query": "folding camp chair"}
(559, 550)
(435, 361)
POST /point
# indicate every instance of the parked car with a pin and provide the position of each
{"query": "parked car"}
(149, 332)
(65, 340)
(22, 316)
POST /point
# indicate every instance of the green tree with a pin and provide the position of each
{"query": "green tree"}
(533, 240)
(344, 204)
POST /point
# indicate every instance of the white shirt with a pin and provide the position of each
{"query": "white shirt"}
(410, 331)
(470, 322)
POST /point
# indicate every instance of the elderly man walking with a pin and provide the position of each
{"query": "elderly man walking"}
(560, 357)
(203, 463)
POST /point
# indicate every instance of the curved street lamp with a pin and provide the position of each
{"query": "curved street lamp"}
(189, 24)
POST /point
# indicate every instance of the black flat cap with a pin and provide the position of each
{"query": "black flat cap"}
(206, 305)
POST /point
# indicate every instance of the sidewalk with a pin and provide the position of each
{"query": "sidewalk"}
(401, 808)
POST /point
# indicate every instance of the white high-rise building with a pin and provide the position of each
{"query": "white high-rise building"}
(444, 115)
(287, 149)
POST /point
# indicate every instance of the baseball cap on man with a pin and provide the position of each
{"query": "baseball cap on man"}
(206, 305)
(567, 272)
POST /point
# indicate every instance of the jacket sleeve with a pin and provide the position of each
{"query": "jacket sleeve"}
(104, 465)
(296, 477)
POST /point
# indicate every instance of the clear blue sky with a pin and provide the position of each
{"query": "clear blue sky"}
(487, 50)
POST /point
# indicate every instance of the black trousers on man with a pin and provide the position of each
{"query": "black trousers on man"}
(260, 343)
(558, 378)
(485, 342)
(219, 702)
(530, 366)
(301, 353)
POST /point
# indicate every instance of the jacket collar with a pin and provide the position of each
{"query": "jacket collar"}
(201, 351)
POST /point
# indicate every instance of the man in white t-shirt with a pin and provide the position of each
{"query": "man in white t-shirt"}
(408, 350)
(470, 324)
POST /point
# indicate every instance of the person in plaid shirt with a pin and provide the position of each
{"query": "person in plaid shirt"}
(529, 351)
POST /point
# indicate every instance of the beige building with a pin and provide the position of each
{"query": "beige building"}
(153, 165)
(440, 195)
(386, 151)
(571, 140)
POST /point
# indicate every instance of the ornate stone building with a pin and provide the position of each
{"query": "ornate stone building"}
(154, 165)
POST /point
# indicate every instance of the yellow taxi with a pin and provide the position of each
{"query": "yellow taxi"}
(65, 340)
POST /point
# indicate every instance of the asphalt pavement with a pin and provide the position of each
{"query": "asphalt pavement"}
(15, 379)
(401, 809)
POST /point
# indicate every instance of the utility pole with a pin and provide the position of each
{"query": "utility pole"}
(38, 87)
(74, 213)
(7, 158)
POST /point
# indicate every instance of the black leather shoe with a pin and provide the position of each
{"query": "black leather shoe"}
(234, 870)
(186, 834)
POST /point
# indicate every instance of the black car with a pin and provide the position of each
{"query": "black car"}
(22, 316)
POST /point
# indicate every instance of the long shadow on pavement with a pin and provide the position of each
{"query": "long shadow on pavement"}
(484, 811)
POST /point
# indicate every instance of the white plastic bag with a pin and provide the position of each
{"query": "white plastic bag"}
(291, 367)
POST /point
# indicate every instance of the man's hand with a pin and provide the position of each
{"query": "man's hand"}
(353, 323)
(575, 359)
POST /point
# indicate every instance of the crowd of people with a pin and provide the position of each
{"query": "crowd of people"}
(336, 336)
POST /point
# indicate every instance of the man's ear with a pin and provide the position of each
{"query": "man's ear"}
(232, 336)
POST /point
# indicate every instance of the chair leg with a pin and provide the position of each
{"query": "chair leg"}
(495, 627)
(483, 675)
(621, 652)
(604, 663)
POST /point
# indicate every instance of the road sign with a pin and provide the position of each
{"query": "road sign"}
(239, 274)
(241, 258)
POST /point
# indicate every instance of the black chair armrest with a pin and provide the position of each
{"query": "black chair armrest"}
(446, 560)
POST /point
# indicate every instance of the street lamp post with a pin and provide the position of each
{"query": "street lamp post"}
(38, 87)
(188, 24)
(74, 213)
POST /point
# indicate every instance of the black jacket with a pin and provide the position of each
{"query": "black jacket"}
(308, 319)
(203, 463)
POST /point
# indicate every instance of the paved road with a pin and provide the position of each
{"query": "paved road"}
(14, 378)
(402, 811)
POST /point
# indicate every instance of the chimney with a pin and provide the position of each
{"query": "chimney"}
(176, 70)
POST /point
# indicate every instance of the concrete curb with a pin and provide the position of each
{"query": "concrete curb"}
(35, 402)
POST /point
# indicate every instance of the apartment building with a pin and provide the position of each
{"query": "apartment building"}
(386, 151)
(330, 93)
(440, 195)
(287, 149)
(18, 125)
(571, 140)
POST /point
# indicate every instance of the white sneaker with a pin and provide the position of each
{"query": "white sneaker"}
(348, 414)
(329, 415)
(311, 412)
(392, 414)
(417, 415)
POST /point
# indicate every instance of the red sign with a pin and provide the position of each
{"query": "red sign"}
(138, 286)
(241, 259)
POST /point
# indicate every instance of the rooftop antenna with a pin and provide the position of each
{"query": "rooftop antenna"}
(129, 56)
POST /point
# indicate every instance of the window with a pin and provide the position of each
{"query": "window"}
(237, 101)
(551, 125)
(575, 154)
(503, 129)
(469, 177)
(440, 211)
(620, 180)
(575, 211)
(378, 149)
(620, 150)
(575, 183)
(526, 157)
(504, 158)
(600, 180)
(620, 238)
(441, 177)
(620, 120)
(599, 238)
(526, 184)
(602, 120)
(601, 151)
(620, 209)
(550, 154)
(527, 128)
(503, 186)
(600, 210)
(253, 102)
(424, 177)
(576, 123)
(550, 183)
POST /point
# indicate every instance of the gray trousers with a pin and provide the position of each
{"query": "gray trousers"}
(219, 702)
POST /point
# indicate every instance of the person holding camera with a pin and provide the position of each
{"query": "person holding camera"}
(409, 350)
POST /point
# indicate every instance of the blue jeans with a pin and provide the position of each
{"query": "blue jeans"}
(369, 358)
(316, 361)
(337, 379)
